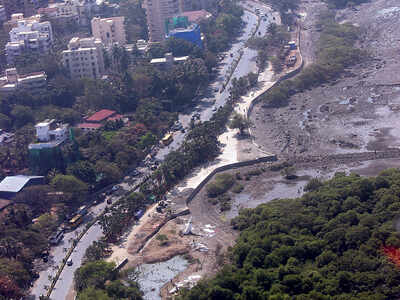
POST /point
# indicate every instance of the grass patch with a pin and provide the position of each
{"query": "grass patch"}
(237, 188)
(222, 183)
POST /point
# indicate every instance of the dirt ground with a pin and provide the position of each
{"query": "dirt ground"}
(358, 112)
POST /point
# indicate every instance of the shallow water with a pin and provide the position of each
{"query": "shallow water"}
(153, 276)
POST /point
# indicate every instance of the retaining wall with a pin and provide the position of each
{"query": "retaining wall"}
(286, 76)
(228, 167)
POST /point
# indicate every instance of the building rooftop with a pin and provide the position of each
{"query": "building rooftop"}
(163, 60)
(13, 184)
(196, 15)
(190, 28)
(90, 125)
(114, 118)
(101, 115)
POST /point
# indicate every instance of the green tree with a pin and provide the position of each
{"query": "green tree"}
(94, 274)
(239, 122)
(71, 185)
(22, 115)
(91, 293)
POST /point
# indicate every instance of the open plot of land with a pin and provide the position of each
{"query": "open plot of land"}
(358, 112)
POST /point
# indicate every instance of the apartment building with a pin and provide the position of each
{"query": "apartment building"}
(157, 12)
(84, 58)
(80, 11)
(110, 30)
(29, 37)
(15, 18)
(12, 82)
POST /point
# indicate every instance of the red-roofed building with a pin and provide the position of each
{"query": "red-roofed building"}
(98, 119)
(115, 118)
(101, 116)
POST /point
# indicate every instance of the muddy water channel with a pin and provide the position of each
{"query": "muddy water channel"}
(277, 187)
(152, 277)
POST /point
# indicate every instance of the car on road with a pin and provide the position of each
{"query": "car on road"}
(115, 188)
(69, 262)
(214, 108)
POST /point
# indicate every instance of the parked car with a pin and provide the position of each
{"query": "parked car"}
(109, 201)
(115, 188)
(69, 262)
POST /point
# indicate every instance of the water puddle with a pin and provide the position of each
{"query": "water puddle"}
(153, 276)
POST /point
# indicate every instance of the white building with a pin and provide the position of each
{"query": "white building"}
(110, 30)
(49, 134)
(12, 82)
(30, 36)
(79, 10)
(142, 46)
(168, 60)
(49, 130)
(84, 58)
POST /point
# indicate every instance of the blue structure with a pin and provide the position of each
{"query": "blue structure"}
(191, 34)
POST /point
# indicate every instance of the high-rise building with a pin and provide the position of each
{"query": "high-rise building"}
(157, 12)
(109, 30)
(30, 36)
(84, 58)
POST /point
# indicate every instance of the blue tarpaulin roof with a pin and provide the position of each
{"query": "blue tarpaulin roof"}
(13, 184)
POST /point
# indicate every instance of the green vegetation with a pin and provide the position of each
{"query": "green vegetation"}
(271, 47)
(164, 241)
(237, 188)
(328, 244)
(336, 52)
(239, 122)
(221, 184)
(220, 31)
(242, 85)
(120, 215)
(99, 280)
(97, 251)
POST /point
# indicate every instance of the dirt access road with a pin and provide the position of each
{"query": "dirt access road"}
(358, 112)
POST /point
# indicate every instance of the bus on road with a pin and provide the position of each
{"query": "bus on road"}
(75, 221)
(167, 139)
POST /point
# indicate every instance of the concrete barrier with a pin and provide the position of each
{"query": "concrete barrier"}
(226, 168)
(286, 76)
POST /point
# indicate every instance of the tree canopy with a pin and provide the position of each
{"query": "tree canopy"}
(338, 241)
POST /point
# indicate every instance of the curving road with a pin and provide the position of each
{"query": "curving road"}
(205, 107)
